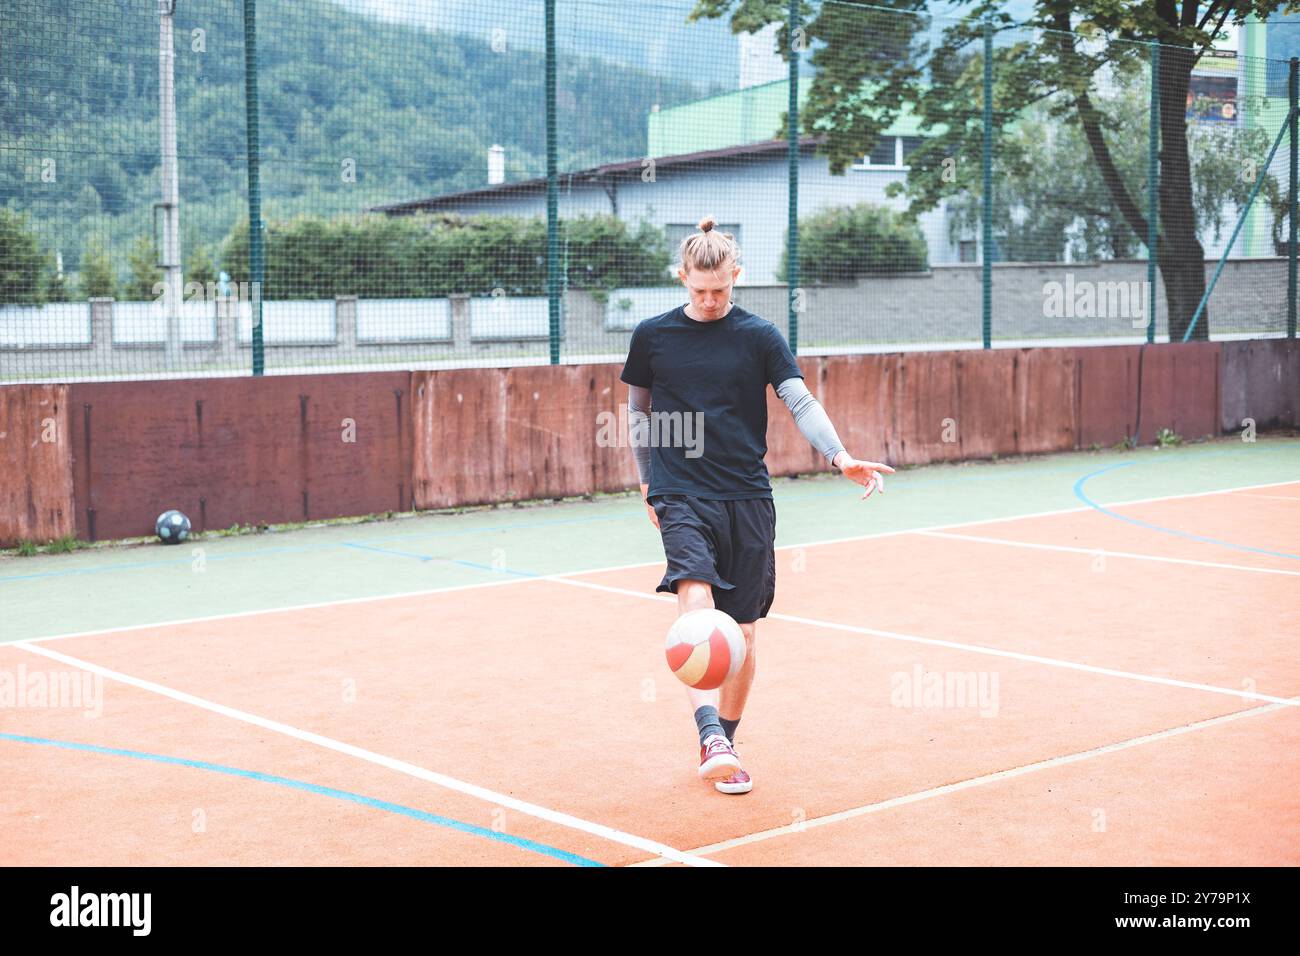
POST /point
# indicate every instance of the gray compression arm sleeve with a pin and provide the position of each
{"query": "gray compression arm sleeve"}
(810, 417)
(638, 427)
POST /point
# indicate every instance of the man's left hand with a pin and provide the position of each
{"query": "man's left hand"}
(869, 474)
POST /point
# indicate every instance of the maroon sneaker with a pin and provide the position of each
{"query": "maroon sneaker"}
(738, 782)
(717, 759)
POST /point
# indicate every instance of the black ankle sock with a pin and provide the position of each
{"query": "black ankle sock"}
(706, 719)
(729, 727)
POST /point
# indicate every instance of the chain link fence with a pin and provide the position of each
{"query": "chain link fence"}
(445, 184)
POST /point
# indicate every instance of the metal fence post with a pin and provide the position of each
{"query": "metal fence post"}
(256, 262)
(987, 256)
(792, 277)
(1153, 185)
(552, 193)
(1293, 89)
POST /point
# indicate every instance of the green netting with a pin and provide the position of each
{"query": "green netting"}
(402, 173)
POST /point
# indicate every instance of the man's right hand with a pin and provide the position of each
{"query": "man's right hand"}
(654, 518)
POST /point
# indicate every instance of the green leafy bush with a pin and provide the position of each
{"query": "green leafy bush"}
(848, 242)
(433, 256)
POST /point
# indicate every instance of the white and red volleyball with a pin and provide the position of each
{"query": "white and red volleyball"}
(705, 648)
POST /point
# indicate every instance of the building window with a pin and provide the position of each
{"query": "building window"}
(966, 251)
(885, 152)
(890, 151)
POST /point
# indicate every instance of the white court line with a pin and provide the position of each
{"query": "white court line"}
(1103, 552)
(233, 615)
(401, 766)
(974, 649)
(618, 567)
(795, 828)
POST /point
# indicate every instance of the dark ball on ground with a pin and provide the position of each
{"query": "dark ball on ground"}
(172, 527)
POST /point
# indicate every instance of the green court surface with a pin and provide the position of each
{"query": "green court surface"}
(119, 586)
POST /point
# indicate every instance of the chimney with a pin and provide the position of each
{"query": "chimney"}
(496, 164)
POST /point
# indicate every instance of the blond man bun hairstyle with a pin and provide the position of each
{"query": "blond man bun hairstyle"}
(708, 249)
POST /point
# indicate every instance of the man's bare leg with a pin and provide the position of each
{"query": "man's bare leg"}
(730, 699)
(691, 596)
(735, 692)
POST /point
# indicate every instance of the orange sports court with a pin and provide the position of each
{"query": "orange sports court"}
(1078, 659)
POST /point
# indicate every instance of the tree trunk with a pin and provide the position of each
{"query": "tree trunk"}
(1181, 255)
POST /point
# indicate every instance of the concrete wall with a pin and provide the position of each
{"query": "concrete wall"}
(933, 309)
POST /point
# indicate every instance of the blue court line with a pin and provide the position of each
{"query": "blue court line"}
(1079, 493)
(289, 549)
(422, 816)
(492, 528)
(632, 516)
(488, 567)
(402, 554)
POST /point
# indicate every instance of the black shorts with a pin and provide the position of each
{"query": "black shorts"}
(730, 544)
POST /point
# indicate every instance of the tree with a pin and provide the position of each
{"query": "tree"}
(1279, 204)
(22, 264)
(873, 64)
(58, 287)
(145, 272)
(88, 202)
(97, 277)
(198, 265)
(1066, 214)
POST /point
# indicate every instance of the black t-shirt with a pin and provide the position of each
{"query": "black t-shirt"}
(708, 396)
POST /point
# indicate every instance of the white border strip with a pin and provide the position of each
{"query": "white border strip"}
(400, 766)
